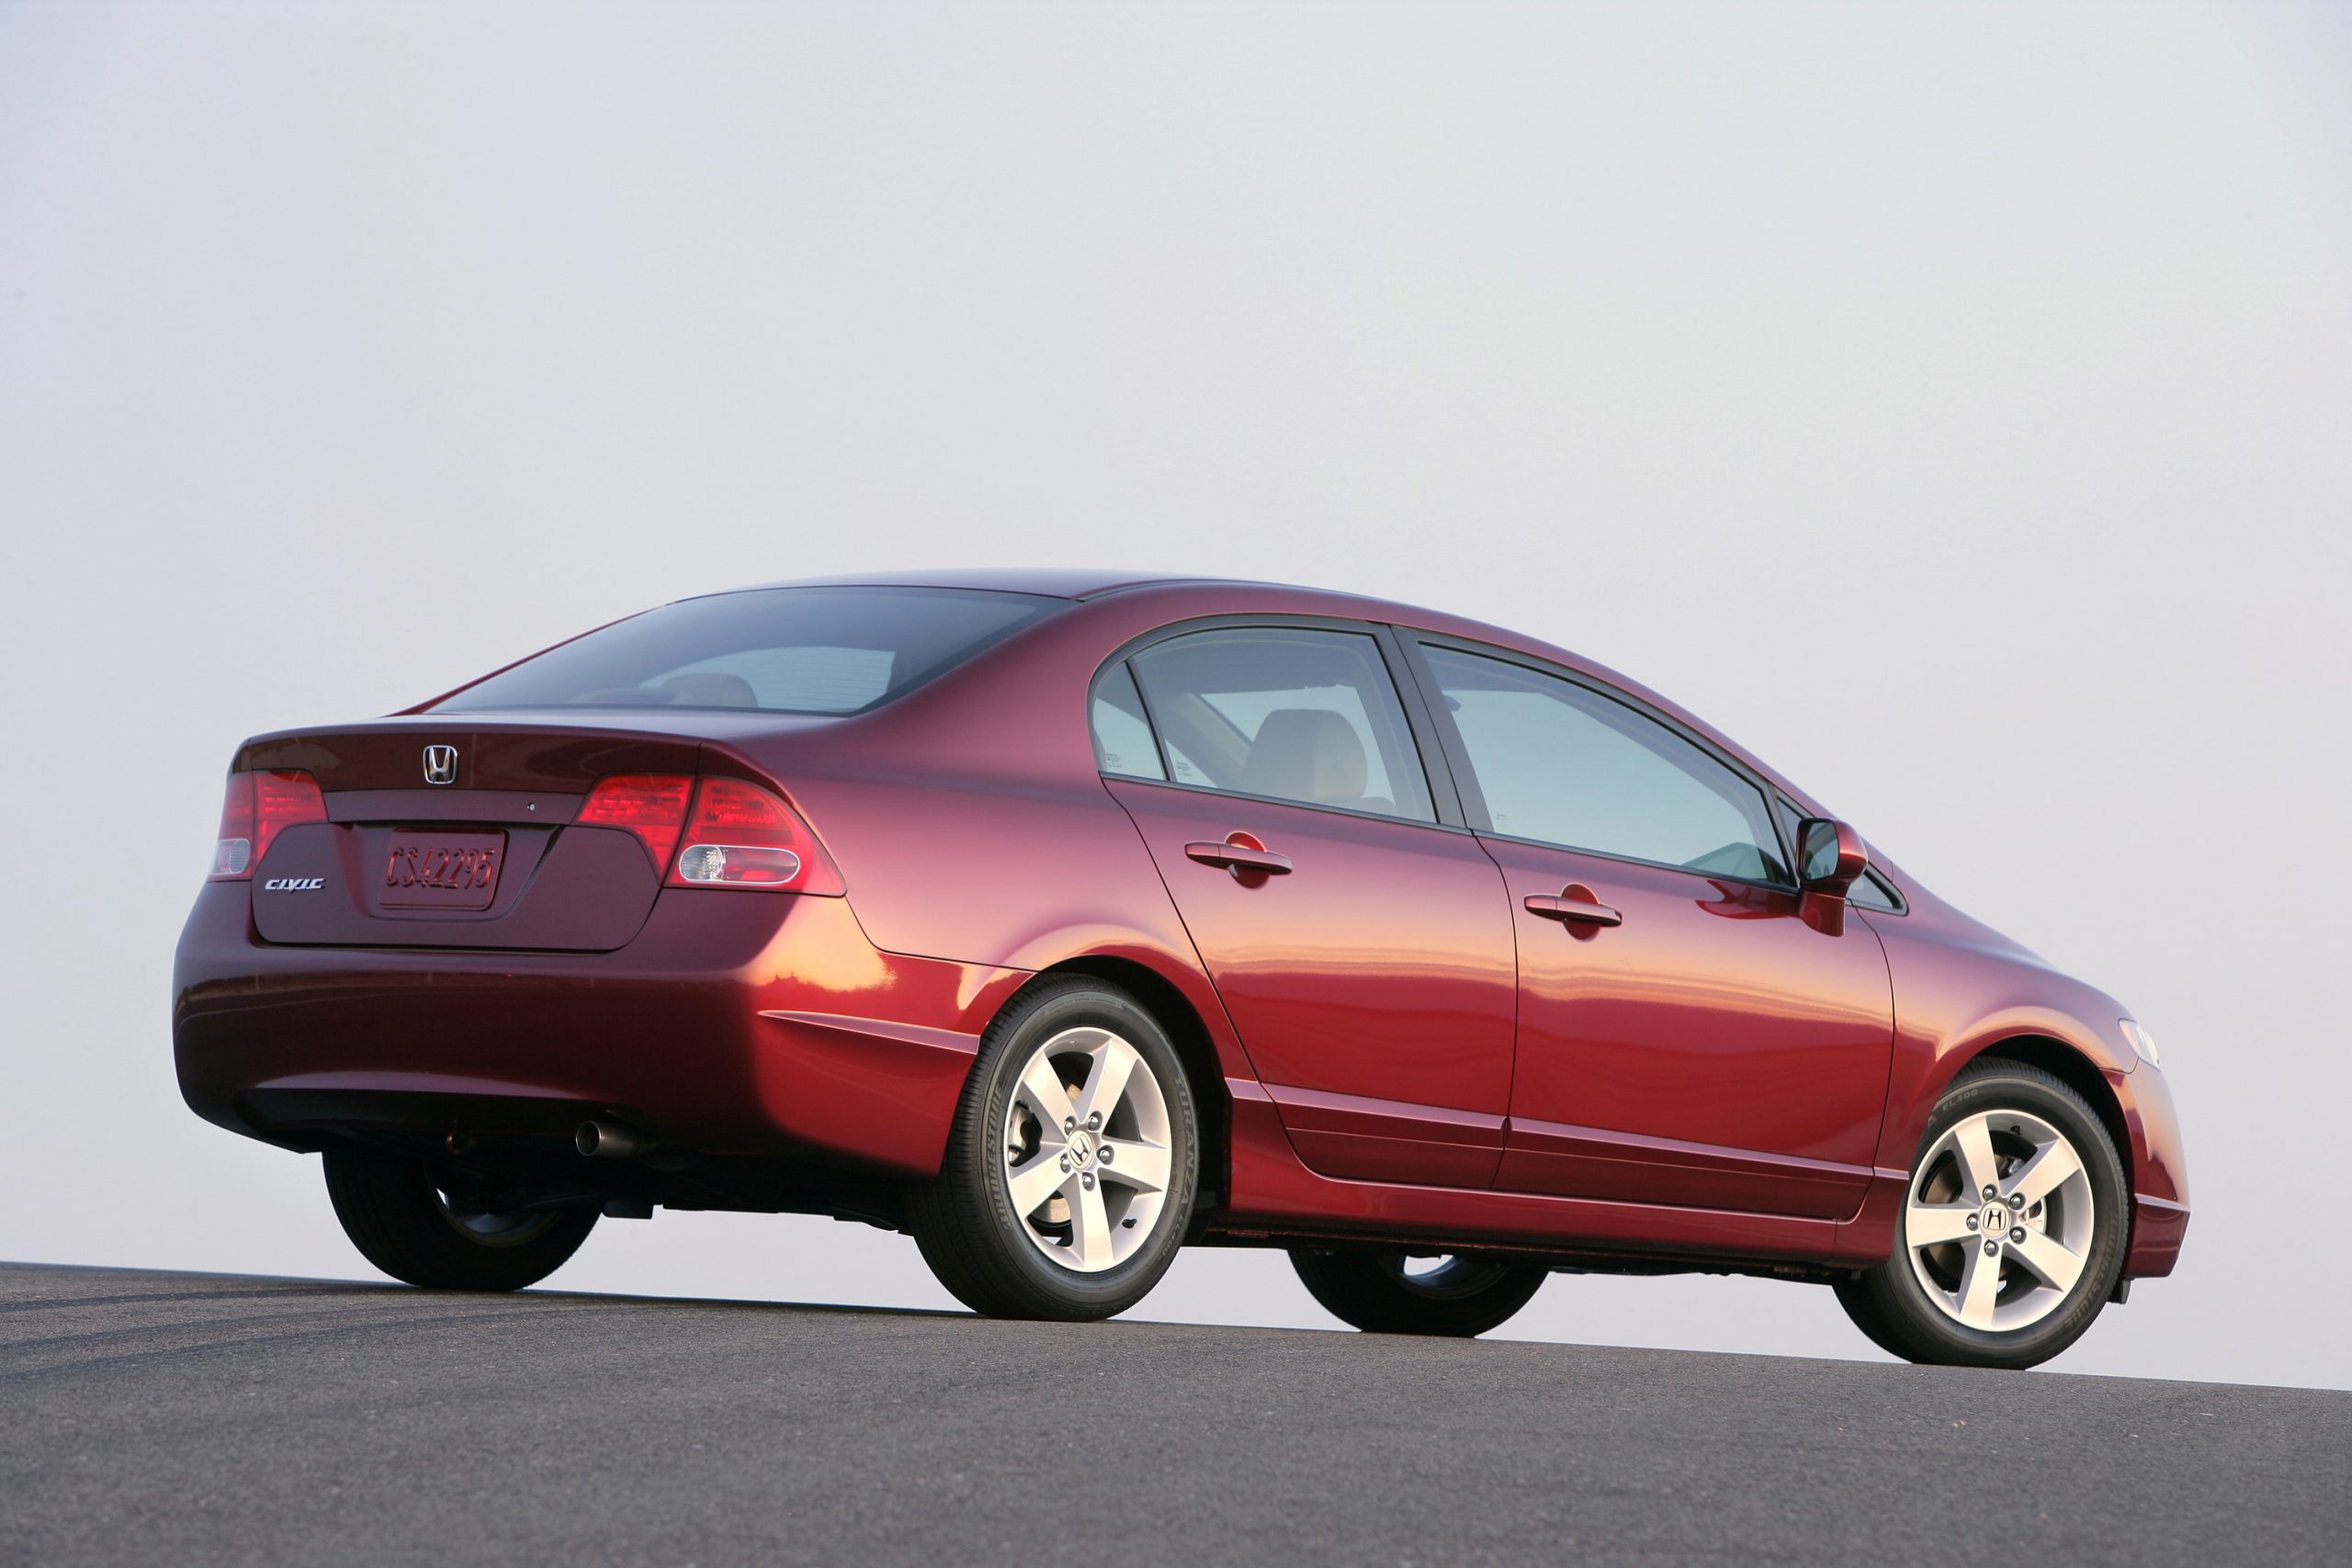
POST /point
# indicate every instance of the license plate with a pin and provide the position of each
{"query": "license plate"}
(441, 871)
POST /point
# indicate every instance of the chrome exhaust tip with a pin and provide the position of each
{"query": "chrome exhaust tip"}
(609, 1140)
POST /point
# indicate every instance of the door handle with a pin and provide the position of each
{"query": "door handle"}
(1575, 905)
(1240, 854)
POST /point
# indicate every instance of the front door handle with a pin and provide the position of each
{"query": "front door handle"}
(1240, 854)
(1572, 904)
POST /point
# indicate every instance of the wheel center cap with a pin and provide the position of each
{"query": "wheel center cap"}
(1081, 1147)
(1996, 1218)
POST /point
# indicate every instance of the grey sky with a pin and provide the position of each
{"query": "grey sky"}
(1951, 404)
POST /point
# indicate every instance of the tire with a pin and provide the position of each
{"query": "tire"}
(1932, 1300)
(1376, 1291)
(396, 1213)
(1030, 1218)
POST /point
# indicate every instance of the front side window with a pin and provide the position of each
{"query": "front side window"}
(819, 650)
(1562, 764)
(1288, 713)
(1871, 891)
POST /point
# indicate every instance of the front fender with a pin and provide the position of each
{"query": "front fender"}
(1961, 991)
(1942, 1059)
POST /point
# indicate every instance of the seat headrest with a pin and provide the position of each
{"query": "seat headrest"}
(1307, 755)
(711, 689)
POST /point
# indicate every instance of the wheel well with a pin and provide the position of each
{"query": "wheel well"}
(2078, 1073)
(1161, 997)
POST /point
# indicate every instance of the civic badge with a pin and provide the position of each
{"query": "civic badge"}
(440, 764)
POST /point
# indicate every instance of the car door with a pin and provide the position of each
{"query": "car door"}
(1685, 1035)
(1361, 946)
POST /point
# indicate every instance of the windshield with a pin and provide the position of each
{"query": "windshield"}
(823, 650)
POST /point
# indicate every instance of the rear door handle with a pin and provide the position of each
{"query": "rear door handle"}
(1576, 907)
(1239, 853)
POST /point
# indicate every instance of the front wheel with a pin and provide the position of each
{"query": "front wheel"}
(2012, 1231)
(1393, 1292)
(1070, 1168)
(416, 1225)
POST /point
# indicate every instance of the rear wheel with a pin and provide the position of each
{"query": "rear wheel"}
(2012, 1232)
(1069, 1178)
(1393, 1293)
(415, 1225)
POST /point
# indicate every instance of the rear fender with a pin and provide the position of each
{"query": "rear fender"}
(1075, 947)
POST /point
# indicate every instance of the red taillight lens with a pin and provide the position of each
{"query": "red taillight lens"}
(651, 806)
(743, 836)
(257, 808)
(233, 856)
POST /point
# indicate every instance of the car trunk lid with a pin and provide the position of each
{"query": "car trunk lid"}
(442, 836)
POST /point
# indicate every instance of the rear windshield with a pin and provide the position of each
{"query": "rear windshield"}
(829, 650)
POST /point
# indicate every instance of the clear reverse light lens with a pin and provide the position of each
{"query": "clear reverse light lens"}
(752, 865)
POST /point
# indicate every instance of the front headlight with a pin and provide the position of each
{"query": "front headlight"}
(2143, 1041)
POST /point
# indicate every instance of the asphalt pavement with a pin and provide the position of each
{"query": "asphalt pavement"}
(191, 1419)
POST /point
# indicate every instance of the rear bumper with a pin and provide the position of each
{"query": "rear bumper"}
(734, 1024)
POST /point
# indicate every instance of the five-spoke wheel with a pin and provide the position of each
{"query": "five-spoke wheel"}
(1999, 1222)
(1069, 1176)
(1086, 1149)
(2012, 1230)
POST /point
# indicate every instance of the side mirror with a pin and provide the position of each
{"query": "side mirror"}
(1831, 857)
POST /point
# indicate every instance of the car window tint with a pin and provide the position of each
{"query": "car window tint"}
(805, 679)
(820, 650)
(1122, 742)
(1873, 892)
(1187, 770)
(1289, 713)
(1563, 764)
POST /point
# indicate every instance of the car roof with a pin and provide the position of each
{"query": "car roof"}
(1053, 583)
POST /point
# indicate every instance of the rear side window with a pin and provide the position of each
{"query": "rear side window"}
(1286, 712)
(1562, 764)
(822, 651)
(1122, 742)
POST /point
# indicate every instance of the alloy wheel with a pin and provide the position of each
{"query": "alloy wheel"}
(1086, 1150)
(1999, 1221)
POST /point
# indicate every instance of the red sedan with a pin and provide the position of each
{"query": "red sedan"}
(1060, 919)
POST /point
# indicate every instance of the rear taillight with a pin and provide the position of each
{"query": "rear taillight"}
(651, 806)
(735, 835)
(257, 808)
(740, 835)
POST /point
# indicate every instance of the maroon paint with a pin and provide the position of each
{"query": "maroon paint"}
(1275, 1194)
(1712, 1049)
(732, 1025)
(1716, 1077)
(1962, 990)
(1376, 976)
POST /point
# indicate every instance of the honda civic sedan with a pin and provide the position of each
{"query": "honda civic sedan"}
(1060, 920)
